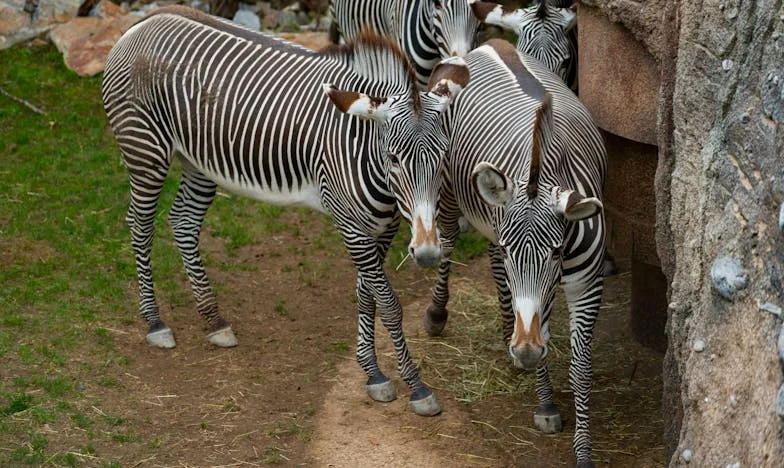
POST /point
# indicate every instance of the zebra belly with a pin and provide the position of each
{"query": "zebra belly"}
(304, 194)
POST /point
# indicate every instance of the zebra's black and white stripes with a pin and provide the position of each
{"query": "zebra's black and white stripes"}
(526, 167)
(427, 30)
(546, 31)
(248, 112)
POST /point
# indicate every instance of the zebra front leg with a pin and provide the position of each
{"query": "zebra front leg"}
(547, 417)
(437, 313)
(378, 386)
(502, 291)
(583, 311)
(194, 197)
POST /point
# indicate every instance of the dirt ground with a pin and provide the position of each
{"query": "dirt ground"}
(291, 392)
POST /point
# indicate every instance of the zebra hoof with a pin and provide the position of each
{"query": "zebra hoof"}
(162, 338)
(585, 464)
(424, 403)
(223, 338)
(380, 388)
(548, 419)
(435, 320)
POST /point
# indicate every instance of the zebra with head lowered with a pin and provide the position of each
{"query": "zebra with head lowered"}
(427, 30)
(545, 30)
(248, 112)
(526, 167)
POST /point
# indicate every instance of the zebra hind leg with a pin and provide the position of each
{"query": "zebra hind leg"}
(147, 175)
(194, 197)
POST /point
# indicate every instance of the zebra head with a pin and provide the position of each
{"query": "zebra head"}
(454, 27)
(542, 32)
(413, 144)
(532, 220)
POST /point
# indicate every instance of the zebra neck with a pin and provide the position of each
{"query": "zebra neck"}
(416, 33)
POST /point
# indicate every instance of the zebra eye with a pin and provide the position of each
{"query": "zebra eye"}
(393, 158)
(556, 255)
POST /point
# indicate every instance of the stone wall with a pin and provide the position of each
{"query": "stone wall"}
(719, 194)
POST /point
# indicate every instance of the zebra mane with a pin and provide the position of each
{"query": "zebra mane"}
(541, 10)
(378, 58)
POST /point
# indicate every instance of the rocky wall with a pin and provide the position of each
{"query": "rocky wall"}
(720, 232)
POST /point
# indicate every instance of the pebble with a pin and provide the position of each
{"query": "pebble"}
(687, 455)
(733, 401)
(781, 343)
(727, 64)
(698, 346)
(780, 402)
(728, 277)
(781, 218)
(770, 307)
(733, 465)
(745, 117)
(248, 19)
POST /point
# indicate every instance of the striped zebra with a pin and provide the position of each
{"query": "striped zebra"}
(545, 30)
(247, 112)
(526, 167)
(427, 30)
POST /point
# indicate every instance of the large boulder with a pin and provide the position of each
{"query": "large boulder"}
(21, 20)
(86, 41)
(719, 194)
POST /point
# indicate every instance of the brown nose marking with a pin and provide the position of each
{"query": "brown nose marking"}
(424, 235)
(532, 336)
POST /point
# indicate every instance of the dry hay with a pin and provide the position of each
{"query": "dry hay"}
(471, 362)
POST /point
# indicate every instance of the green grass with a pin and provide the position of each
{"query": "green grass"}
(67, 269)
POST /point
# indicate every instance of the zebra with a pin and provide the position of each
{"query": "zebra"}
(246, 111)
(545, 30)
(427, 30)
(526, 166)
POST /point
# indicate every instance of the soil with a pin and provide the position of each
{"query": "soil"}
(292, 393)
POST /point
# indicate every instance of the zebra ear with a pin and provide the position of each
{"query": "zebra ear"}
(495, 14)
(576, 207)
(495, 188)
(358, 104)
(448, 78)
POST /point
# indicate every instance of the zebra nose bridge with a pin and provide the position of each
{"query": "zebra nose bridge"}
(425, 245)
(527, 345)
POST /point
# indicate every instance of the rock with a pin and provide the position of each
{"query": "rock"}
(699, 346)
(269, 16)
(287, 21)
(781, 343)
(769, 307)
(248, 19)
(728, 277)
(781, 218)
(55, 11)
(686, 455)
(107, 9)
(86, 41)
(780, 402)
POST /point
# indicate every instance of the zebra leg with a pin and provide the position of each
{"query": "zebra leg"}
(147, 175)
(502, 290)
(583, 311)
(372, 278)
(437, 313)
(378, 386)
(547, 417)
(186, 216)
